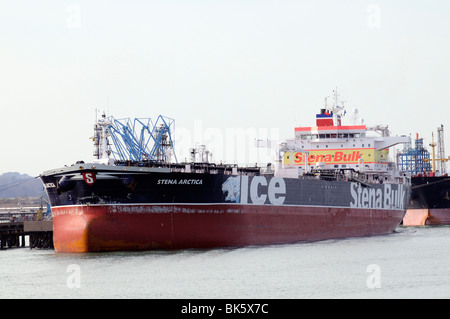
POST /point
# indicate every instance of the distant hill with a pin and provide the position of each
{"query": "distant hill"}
(13, 185)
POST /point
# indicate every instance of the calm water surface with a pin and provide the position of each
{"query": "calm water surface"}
(412, 263)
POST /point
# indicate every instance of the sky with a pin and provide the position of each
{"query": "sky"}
(227, 71)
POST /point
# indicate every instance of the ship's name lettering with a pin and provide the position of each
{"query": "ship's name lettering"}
(335, 157)
(180, 182)
(369, 197)
(260, 190)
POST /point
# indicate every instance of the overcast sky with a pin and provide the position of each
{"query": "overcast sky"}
(216, 67)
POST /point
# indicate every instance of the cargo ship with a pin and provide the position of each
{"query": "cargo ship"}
(329, 181)
(430, 187)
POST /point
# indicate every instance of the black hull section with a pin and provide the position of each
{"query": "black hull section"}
(430, 192)
(115, 186)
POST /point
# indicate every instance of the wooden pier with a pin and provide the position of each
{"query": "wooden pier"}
(12, 234)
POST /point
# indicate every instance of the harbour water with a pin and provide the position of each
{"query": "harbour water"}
(411, 263)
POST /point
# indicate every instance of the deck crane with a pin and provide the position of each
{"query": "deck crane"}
(136, 140)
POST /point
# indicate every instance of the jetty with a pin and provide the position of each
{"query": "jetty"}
(16, 224)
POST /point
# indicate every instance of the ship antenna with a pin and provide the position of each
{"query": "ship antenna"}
(335, 97)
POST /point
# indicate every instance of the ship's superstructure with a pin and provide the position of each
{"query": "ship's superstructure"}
(332, 146)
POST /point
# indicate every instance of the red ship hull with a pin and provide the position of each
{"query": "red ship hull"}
(427, 216)
(98, 228)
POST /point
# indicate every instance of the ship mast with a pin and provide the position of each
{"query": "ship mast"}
(441, 153)
(335, 109)
(101, 133)
(433, 162)
(441, 150)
